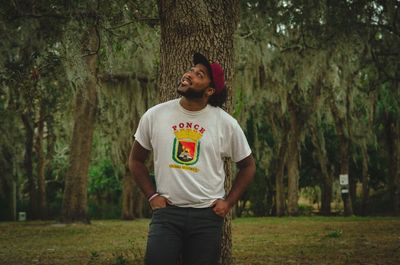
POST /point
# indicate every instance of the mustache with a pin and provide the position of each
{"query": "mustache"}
(179, 80)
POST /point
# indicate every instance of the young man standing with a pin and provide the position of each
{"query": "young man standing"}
(190, 137)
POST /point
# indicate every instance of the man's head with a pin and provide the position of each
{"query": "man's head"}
(204, 80)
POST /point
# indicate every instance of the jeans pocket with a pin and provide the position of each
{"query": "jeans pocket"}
(159, 209)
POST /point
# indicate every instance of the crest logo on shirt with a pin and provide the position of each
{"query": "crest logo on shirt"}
(186, 147)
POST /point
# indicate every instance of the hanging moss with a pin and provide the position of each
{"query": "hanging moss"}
(128, 87)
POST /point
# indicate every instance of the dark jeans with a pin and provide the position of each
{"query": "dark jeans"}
(193, 233)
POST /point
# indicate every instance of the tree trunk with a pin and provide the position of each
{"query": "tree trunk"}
(326, 187)
(127, 197)
(41, 179)
(226, 242)
(28, 164)
(292, 162)
(13, 200)
(392, 131)
(352, 188)
(396, 199)
(51, 137)
(344, 146)
(75, 191)
(138, 202)
(365, 182)
(197, 26)
(132, 198)
(279, 172)
(344, 170)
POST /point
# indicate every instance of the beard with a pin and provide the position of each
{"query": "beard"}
(190, 93)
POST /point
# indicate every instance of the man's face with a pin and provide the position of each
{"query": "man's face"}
(195, 82)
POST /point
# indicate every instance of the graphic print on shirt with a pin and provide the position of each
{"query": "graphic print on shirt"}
(186, 146)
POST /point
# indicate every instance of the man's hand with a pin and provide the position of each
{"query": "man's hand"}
(158, 202)
(221, 207)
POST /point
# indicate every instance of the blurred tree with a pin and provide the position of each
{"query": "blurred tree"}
(386, 57)
(75, 191)
(29, 67)
(324, 50)
(127, 71)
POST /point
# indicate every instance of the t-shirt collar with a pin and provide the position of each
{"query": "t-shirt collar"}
(192, 113)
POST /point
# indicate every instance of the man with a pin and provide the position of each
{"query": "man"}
(190, 137)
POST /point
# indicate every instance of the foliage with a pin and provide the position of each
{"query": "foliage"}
(103, 178)
(104, 190)
(320, 54)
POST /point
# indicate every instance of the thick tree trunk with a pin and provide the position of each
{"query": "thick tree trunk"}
(127, 197)
(344, 170)
(279, 173)
(194, 26)
(392, 130)
(326, 185)
(396, 199)
(138, 202)
(292, 162)
(75, 191)
(28, 164)
(41, 179)
(13, 200)
(226, 243)
(132, 198)
(365, 182)
(51, 137)
(344, 146)
(352, 188)
(197, 26)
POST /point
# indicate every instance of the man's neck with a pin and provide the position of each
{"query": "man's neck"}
(193, 104)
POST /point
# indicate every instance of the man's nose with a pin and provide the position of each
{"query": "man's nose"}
(188, 74)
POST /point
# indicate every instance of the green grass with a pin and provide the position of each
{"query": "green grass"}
(300, 240)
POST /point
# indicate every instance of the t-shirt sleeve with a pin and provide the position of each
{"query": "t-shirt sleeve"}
(234, 142)
(143, 132)
(240, 148)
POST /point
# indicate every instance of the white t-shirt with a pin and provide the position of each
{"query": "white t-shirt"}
(189, 148)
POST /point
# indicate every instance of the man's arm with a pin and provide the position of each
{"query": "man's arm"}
(137, 158)
(245, 175)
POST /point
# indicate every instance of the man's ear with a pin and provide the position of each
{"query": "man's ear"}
(210, 91)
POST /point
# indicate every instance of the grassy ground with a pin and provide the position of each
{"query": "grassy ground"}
(312, 240)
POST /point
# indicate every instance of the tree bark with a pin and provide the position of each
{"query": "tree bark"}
(292, 162)
(396, 199)
(13, 200)
(197, 26)
(279, 173)
(226, 242)
(365, 182)
(326, 187)
(75, 191)
(28, 163)
(127, 197)
(132, 198)
(41, 179)
(344, 146)
(392, 139)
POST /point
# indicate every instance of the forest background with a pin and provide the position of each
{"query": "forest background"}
(315, 87)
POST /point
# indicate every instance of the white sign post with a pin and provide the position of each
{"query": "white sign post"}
(344, 179)
(344, 183)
